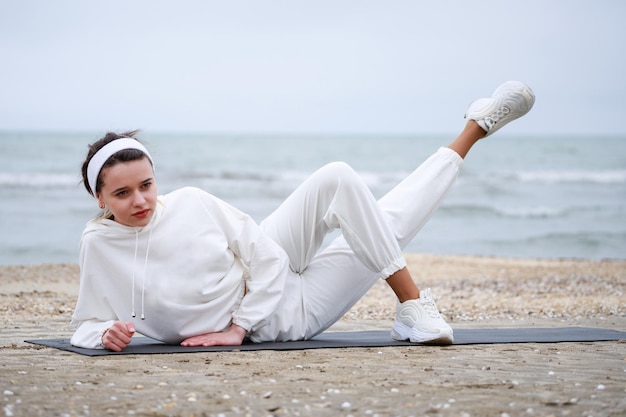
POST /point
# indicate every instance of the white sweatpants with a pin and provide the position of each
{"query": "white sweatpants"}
(324, 285)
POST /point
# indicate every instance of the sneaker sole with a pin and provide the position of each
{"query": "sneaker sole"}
(402, 332)
(511, 91)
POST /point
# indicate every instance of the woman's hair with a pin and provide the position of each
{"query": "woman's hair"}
(125, 155)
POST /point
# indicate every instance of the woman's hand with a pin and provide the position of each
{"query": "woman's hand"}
(231, 337)
(118, 336)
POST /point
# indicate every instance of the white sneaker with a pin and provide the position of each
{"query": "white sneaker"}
(420, 322)
(510, 101)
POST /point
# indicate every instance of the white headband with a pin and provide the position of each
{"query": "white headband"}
(104, 153)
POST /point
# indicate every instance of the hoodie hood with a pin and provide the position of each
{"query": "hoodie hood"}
(111, 229)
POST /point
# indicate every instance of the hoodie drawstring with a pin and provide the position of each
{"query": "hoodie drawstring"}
(134, 262)
(145, 269)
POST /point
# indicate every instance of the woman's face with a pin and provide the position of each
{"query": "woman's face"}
(129, 191)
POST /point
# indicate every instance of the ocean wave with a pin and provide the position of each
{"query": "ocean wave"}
(474, 210)
(37, 180)
(611, 243)
(520, 212)
(531, 212)
(380, 182)
(587, 244)
(573, 176)
(371, 178)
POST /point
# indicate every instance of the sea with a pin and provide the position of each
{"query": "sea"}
(517, 196)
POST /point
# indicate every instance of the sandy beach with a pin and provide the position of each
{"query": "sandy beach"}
(561, 379)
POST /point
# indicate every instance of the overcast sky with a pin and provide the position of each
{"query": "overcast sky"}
(307, 66)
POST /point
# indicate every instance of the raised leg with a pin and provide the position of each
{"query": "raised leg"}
(418, 319)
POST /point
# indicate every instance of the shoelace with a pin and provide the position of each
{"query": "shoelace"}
(495, 117)
(431, 308)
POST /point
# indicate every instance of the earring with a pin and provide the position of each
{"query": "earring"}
(101, 205)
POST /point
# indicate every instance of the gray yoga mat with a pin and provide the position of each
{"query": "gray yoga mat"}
(360, 339)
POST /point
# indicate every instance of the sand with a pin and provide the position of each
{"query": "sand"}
(575, 379)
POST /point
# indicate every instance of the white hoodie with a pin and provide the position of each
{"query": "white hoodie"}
(197, 267)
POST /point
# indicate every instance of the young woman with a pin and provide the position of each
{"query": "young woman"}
(188, 268)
